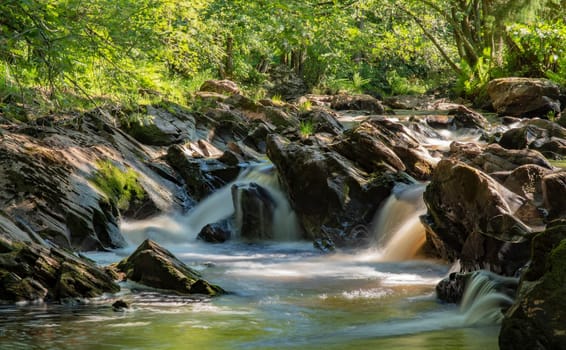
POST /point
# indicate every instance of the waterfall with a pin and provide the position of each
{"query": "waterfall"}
(398, 232)
(483, 300)
(217, 207)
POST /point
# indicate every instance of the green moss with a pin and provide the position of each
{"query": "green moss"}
(557, 265)
(120, 187)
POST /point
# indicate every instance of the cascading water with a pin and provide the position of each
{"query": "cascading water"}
(482, 300)
(217, 207)
(398, 232)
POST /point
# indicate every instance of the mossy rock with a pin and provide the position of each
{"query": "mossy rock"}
(30, 272)
(537, 319)
(153, 266)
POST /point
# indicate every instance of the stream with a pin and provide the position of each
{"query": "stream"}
(283, 294)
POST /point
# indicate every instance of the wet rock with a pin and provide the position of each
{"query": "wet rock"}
(225, 87)
(472, 218)
(215, 233)
(201, 175)
(542, 135)
(120, 305)
(154, 266)
(537, 319)
(380, 141)
(467, 118)
(554, 194)
(31, 272)
(524, 97)
(495, 158)
(452, 288)
(357, 102)
(254, 211)
(330, 195)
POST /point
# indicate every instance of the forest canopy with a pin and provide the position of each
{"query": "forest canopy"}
(69, 54)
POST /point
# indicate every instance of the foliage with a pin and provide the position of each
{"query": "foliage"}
(120, 187)
(64, 55)
(305, 106)
(306, 128)
(536, 48)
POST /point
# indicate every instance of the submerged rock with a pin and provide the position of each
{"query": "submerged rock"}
(537, 319)
(473, 218)
(31, 272)
(154, 266)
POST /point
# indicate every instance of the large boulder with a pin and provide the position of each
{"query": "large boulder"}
(472, 218)
(153, 266)
(357, 102)
(495, 158)
(331, 196)
(537, 319)
(42, 191)
(379, 141)
(31, 272)
(524, 97)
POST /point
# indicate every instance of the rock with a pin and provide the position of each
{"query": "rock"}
(466, 118)
(537, 319)
(379, 141)
(452, 288)
(286, 83)
(495, 158)
(524, 97)
(40, 189)
(254, 211)
(472, 218)
(162, 127)
(329, 194)
(554, 193)
(526, 181)
(31, 272)
(201, 175)
(357, 102)
(214, 233)
(120, 305)
(154, 266)
(323, 121)
(225, 87)
(543, 135)
(279, 118)
(244, 103)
